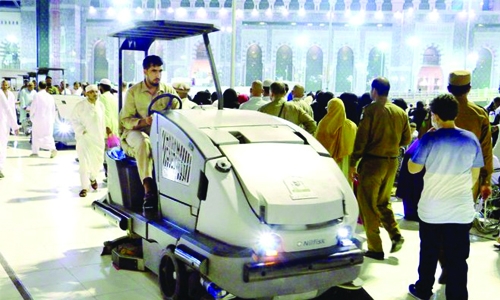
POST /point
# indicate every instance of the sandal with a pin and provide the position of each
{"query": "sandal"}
(83, 193)
(93, 184)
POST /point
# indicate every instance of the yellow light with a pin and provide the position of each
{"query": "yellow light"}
(271, 253)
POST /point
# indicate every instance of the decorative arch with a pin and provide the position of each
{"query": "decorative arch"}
(284, 63)
(344, 70)
(100, 61)
(431, 56)
(156, 48)
(201, 52)
(481, 76)
(430, 76)
(201, 73)
(375, 65)
(253, 64)
(314, 69)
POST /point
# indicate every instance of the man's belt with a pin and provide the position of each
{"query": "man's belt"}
(379, 157)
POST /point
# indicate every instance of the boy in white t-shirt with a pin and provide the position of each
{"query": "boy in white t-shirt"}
(452, 158)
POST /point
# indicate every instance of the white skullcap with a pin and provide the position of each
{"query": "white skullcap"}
(91, 87)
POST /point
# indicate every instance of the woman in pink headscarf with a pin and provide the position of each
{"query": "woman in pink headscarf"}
(337, 133)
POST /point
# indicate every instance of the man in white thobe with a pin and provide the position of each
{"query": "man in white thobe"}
(11, 99)
(26, 97)
(7, 122)
(43, 116)
(90, 131)
(255, 101)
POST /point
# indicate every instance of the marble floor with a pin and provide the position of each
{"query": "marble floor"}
(51, 240)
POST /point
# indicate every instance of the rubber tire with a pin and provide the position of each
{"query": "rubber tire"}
(172, 277)
(479, 226)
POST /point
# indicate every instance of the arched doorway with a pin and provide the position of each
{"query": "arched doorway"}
(128, 66)
(430, 76)
(201, 74)
(481, 76)
(314, 69)
(156, 48)
(375, 65)
(254, 64)
(100, 61)
(284, 63)
(345, 70)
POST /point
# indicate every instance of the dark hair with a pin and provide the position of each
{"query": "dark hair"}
(151, 60)
(420, 104)
(401, 103)
(286, 88)
(214, 96)
(350, 101)
(202, 98)
(459, 90)
(445, 106)
(230, 98)
(42, 85)
(105, 87)
(277, 88)
(266, 89)
(381, 85)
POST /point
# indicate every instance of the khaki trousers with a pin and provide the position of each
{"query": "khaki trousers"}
(140, 148)
(376, 179)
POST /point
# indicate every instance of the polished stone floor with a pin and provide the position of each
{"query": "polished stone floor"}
(51, 240)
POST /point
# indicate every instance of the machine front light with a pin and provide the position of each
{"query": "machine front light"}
(344, 235)
(63, 127)
(268, 244)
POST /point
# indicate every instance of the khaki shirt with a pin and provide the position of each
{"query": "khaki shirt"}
(53, 90)
(288, 111)
(300, 102)
(383, 129)
(475, 119)
(137, 103)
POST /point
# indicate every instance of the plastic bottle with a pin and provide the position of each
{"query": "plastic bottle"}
(212, 289)
(492, 116)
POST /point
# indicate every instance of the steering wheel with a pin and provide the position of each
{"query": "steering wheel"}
(169, 105)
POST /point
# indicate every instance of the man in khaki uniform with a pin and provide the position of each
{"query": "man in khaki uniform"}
(473, 118)
(279, 107)
(136, 123)
(383, 129)
(299, 99)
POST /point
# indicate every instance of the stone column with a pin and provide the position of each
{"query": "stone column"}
(363, 4)
(29, 16)
(432, 4)
(416, 4)
(397, 5)
(447, 3)
(42, 33)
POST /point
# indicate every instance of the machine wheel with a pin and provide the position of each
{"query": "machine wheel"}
(484, 224)
(173, 277)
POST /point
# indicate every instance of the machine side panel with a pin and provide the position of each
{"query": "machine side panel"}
(179, 212)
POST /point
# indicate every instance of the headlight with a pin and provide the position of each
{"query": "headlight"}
(63, 127)
(268, 245)
(344, 235)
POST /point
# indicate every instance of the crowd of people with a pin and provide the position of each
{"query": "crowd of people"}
(447, 147)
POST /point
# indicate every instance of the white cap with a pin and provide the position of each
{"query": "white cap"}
(182, 86)
(91, 87)
(105, 81)
(267, 83)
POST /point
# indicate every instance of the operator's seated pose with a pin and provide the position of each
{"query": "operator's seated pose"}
(135, 124)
